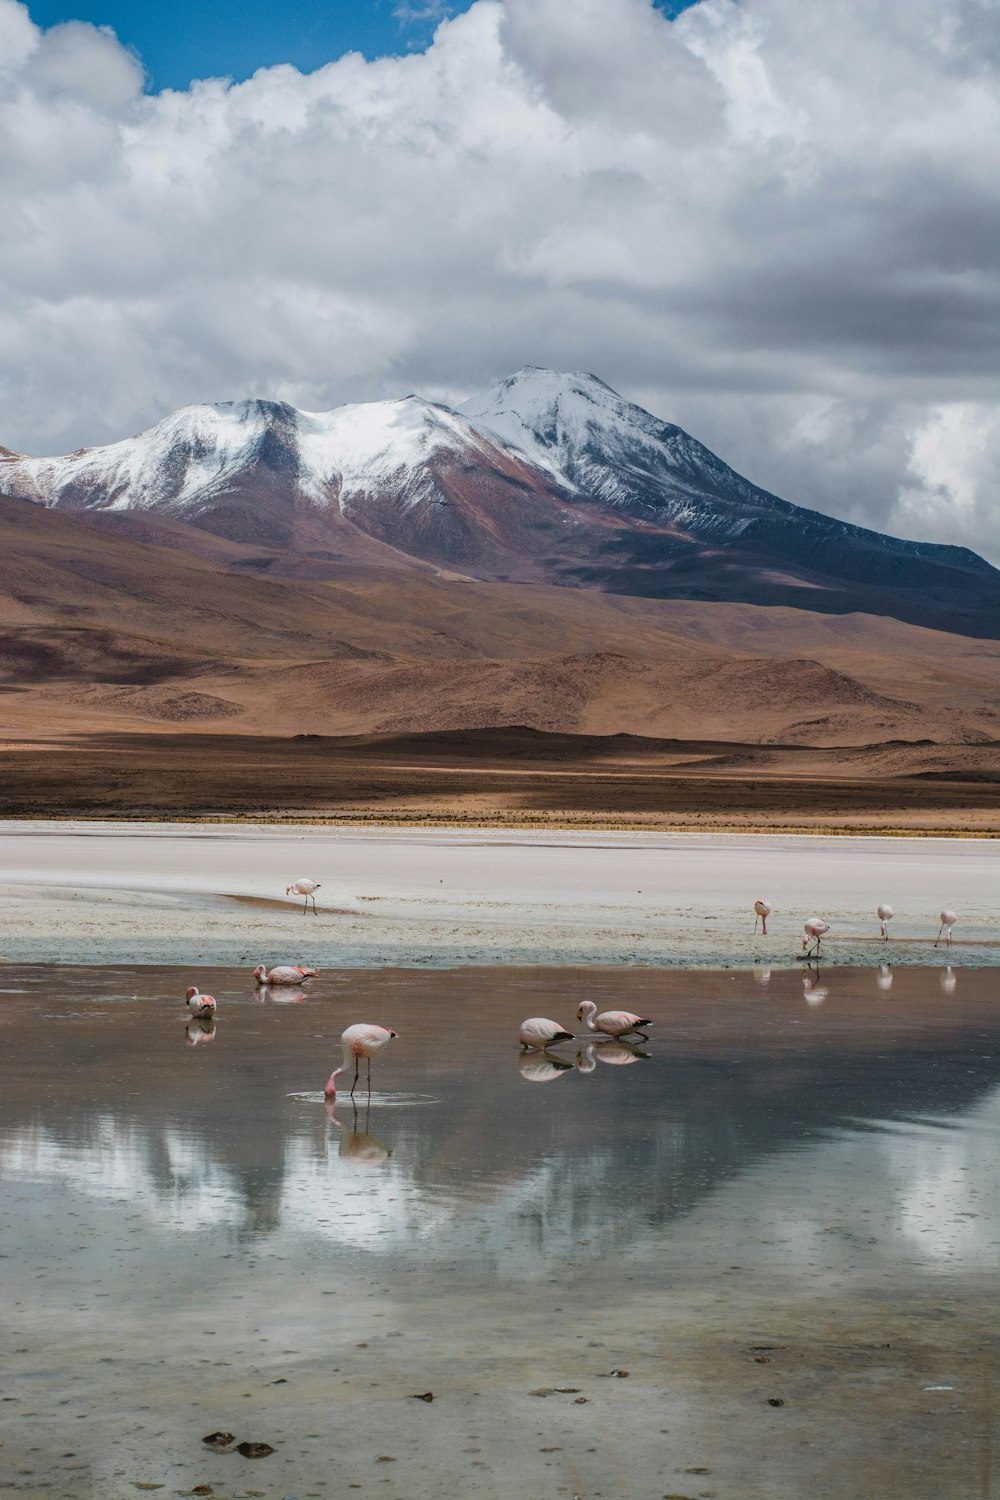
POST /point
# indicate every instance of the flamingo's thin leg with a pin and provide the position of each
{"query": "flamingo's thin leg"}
(357, 1064)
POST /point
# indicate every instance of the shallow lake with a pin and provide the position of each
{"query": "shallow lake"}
(783, 1223)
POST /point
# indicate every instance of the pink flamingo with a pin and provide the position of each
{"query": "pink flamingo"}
(948, 920)
(763, 910)
(815, 930)
(537, 1032)
(362, 1040)
(884, 917)
(307, 888)
(199, 1004)
(613, 1023)
(283, 974)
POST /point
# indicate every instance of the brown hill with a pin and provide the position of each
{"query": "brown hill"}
(106, 641)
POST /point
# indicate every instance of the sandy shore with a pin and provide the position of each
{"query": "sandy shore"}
(100, 893)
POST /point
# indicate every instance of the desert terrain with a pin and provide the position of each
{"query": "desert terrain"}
(143, 680)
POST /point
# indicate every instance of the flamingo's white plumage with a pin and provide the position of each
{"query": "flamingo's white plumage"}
(613, 1023)
(538, 1032)
(815, 930)
(199, 1004)
(361, 1040)
(948, 920)
(306, 888)
(283, 974)
(763, 910)
(884, 917)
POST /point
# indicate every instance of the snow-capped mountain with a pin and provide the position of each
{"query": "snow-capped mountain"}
(545, 478)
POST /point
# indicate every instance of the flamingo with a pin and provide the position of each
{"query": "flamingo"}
(537, 1032)
(763, 910)
(283, 974)
(884, 916)
(199, 1004)
(815, 930)
(306, 888)
(362, 1040)
(613, 1023)
(948, 920)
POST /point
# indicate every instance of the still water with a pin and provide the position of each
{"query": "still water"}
(780, 1217)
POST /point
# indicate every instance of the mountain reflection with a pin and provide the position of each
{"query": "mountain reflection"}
(803, 1120)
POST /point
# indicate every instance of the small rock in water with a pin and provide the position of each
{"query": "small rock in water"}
(219, 1439)
(775, 1401)
(580, 1401)
(618, 1374)
(254, 1450)
(566, 1390)
(422, 1396)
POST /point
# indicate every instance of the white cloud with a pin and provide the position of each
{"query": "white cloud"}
(775, 223)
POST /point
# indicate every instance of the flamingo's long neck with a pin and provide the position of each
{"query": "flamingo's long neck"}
(331, 1083)
(588, 1016)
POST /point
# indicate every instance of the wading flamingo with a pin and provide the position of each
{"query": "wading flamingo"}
(538, 1032)
(362, 1040)
(283, 974)
(613, 1023)
(815, 930)
(884, 917)
(306, 888)
(948, 920)
(199, 1004)
(763, 910)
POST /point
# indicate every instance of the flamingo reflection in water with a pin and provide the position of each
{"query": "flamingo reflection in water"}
(199, 1029)
(540, 1067)
(618, 1054)
(280, 996)
(884, 977)
(357, 1144)
(949, 979)
(813, 992)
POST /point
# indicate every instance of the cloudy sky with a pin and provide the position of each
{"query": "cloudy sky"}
(773, 221)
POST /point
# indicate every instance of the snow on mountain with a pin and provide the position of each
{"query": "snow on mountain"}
(547, 477)
(599, 444)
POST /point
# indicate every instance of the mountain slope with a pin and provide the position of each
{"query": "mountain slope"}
(547, 478)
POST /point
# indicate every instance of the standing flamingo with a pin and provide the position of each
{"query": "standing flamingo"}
(199, 1004)
(884, 916)
(763, 910)
(613, 1023)
(362, 1040)
(537, 1032)
(306, 888)
(948, 920)
(283, 974)
(815, 930)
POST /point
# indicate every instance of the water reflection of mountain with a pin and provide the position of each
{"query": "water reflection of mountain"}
(499, 1172)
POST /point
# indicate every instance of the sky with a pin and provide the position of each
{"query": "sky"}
(774, 222)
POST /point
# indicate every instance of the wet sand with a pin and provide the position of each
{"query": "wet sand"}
(109, 893)
(783, 1224)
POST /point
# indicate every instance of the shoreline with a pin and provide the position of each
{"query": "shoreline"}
(101, 892)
